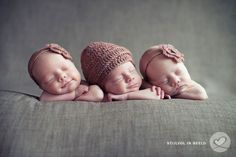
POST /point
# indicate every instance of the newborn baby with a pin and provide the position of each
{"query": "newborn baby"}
(162, 66)
(112, 68)
(55, 73)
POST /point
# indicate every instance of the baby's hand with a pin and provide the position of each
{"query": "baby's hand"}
(192, 90)
(81, 90)
(153, 92)
(112, 97)
(160, 92)
(149, 93)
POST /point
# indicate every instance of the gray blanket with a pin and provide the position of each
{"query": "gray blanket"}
(30, 128)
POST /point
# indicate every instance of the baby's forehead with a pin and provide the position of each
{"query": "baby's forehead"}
(48, 54)
(165, 64)
(124, 67)
(48, 57)
(47, 60)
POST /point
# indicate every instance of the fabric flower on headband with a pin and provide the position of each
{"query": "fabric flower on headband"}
(58, 49)
(171, 52)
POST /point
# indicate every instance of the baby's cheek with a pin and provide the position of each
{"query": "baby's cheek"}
(167, 89)
(57, 89)
(78, 77)
(152, 82)
(138, 78)
(118, 89)
(187, 80)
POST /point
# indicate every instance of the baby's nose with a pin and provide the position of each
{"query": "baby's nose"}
(128, 78)
(62, 77)
(176, 81)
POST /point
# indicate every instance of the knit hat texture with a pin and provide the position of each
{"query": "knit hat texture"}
(49, 48)
(98, 59)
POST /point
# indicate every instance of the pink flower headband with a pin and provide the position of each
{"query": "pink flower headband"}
(49, 48)
(167, 50)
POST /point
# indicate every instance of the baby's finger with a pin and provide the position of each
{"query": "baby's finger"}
(153, 88)
(168, 96)
(85, 89)
(162, 94)
(109, 97)
(159, 90)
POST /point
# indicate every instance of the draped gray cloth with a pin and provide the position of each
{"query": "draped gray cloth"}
(30, 128)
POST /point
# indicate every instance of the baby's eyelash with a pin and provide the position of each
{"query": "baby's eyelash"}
(118, 79)
(164, 82)
(64, 68)
(49, 80)
(178, 72)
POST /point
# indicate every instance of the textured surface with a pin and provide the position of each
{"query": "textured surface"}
(204, 30)
(29, 127)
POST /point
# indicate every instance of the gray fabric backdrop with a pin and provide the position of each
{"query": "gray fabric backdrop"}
(203, 30)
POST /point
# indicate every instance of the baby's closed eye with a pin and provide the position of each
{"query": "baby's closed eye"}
(64, 68)
(164, 81)
(49, 80)
(117, 79)
(178, 72)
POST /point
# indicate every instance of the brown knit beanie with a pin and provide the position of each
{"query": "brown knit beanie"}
(98, 59)
(49, 48)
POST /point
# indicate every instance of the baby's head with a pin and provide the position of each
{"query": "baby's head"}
(111, 67)
(162, 65)
(53, 70)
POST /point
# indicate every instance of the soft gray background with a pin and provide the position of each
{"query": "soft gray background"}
(203, 30)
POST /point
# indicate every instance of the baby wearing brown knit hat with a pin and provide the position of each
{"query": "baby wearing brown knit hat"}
(54, 72)
(162, 65)
(112, 68)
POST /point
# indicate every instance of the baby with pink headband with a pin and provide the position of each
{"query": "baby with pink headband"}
(54, 72)
(162, 65)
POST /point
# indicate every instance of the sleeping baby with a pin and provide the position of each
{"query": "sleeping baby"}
(54, 72)
(112, 68)
(162, 66)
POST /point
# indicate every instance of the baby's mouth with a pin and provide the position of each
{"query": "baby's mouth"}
(177, 90)
(66, 83)
(135, 85)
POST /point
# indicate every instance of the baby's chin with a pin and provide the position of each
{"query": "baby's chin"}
(133, 90)
(69, 88)
(130, 90)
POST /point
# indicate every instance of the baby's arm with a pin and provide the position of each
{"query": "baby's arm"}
(148, 93)
(94, 93)
(146, 84)
(45, 96)
(193, 90)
